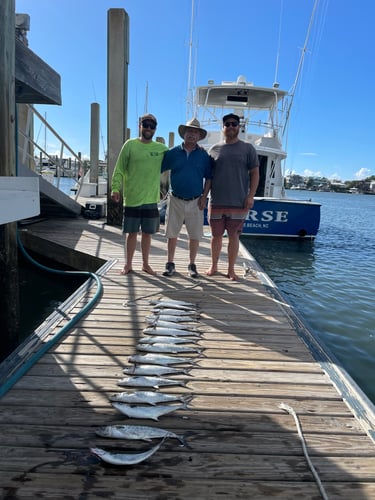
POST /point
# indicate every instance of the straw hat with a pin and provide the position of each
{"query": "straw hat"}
(194, 123)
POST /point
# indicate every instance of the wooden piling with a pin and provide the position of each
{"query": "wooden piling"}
(117, 77)
(9, 303)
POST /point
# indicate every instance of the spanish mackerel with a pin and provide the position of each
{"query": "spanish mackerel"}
(156, 339)
(174, 304)
(175, 312)
(147, 412)
(145, 381)
(167, 348)
(125, 458)
(173, 325)
(168, 317)
(139, 432)
(148, 397)
(158, 359)
(172, 332)
(153, 370)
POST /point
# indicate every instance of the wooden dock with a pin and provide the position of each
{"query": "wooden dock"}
(239, 442)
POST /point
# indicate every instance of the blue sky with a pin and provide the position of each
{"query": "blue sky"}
(331, 130)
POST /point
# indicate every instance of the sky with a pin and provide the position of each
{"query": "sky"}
(330, 130)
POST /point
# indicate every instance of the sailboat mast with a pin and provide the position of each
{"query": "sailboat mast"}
(189, 106)
(300, 65)
(146, 100)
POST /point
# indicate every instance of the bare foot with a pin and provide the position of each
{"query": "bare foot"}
(211, 271)
(147, 269)
(233, 276)
(127, 269)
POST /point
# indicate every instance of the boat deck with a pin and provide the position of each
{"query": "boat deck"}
(239, 442)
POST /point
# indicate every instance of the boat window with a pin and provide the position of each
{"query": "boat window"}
(237, 98)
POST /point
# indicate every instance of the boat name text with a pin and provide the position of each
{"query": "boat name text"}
(268, 216)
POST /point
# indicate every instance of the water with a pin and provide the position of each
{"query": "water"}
(65, 184)
(330, 281)
(41, 292)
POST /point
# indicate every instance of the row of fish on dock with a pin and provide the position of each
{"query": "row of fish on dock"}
(169, 340)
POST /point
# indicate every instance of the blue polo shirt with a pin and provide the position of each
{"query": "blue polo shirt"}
(188, 171)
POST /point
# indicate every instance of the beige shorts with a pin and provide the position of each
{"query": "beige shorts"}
(181, 212)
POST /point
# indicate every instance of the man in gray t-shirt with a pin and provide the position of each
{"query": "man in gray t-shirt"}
(235, 181)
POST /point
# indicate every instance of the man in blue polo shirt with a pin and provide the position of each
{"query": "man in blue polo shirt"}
(190, 179)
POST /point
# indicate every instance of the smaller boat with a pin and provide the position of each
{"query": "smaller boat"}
(263, 113)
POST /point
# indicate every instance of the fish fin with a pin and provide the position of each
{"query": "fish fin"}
(181, 439)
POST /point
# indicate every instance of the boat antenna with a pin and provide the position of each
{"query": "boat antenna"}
(146, 99)
(300, 65)
(189, 100)
(279, 43)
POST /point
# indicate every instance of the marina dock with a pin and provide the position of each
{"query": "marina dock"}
(256, 354)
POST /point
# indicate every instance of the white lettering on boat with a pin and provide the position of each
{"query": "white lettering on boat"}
(268, 216)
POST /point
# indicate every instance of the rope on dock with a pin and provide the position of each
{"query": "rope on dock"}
(291, 411)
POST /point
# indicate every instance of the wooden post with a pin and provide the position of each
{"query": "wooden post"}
(9, 301)
(117, 95)
(94, 144)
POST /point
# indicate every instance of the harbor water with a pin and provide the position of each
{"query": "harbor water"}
(330, 282)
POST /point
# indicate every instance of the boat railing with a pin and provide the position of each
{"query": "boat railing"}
(34, 155)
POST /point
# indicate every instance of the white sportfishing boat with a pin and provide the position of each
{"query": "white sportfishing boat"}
(262, 112)
(264, 115)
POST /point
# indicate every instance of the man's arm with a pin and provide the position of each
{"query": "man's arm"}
(254, 181)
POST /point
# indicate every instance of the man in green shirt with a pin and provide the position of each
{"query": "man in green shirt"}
(137, 174)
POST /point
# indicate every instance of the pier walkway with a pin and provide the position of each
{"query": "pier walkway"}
(239, 442)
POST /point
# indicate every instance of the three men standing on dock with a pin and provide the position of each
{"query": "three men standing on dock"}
(230, 170)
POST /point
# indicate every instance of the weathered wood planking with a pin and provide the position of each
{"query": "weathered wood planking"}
(239, 443)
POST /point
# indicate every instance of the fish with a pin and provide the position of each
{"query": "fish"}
(174, 304)
(125, 458)
(152, 370)
(145, 381)
(147, 412)
(173, 325)
(167, 348)
(176, 312)
(168, 317)
(156, 339)
(136, 432)
(147, 397)
(170, 332)
(158, 359)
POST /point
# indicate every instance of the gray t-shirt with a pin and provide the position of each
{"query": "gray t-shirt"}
(231, 180)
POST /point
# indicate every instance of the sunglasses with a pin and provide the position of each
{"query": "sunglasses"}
(150, 125)
(231, 124)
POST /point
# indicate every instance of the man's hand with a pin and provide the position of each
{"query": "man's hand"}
(115, 196)
(249, 202)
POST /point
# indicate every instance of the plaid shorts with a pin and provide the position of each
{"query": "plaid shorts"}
(145, 218)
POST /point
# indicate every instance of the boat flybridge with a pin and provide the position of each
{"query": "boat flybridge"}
(263, 113)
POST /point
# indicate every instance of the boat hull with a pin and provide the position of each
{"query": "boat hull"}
(282, 218)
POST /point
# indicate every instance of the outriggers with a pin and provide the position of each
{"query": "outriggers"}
(264, 114)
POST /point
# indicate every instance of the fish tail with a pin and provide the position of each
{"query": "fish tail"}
(187, 398)
(181, 439)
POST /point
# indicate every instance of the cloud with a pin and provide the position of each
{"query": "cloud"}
(308, 154)
(362, 173)
(310, 173)
(335, 177)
